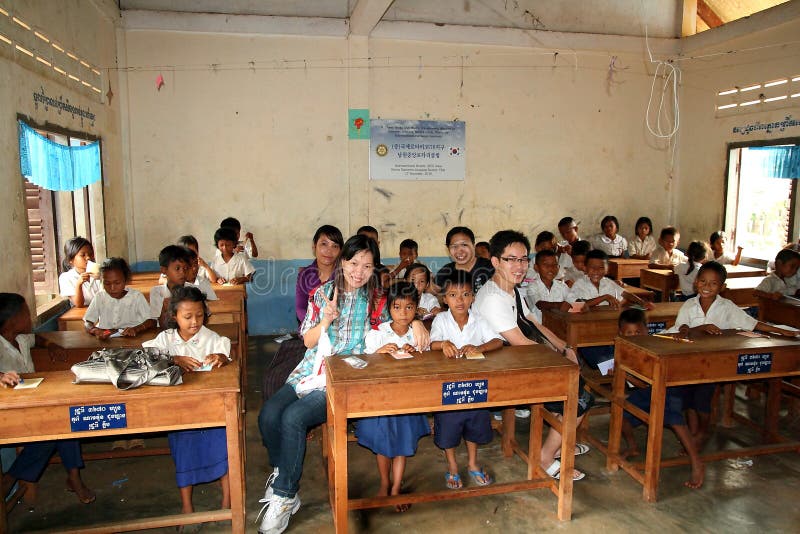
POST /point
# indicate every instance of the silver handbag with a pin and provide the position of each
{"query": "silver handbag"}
(128, 368)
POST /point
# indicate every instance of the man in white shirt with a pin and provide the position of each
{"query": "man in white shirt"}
(500, 303)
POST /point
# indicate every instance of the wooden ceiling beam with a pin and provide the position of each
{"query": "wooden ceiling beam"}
(708, 15)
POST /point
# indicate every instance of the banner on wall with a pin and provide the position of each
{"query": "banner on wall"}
(417, 150)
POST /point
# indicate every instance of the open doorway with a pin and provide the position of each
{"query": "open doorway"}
(760, 207)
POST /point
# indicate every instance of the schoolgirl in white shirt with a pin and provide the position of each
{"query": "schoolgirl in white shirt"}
(75, 282)
(687, 271)
(609, 241)
(642, 244)
(229, 266)
(117, 307)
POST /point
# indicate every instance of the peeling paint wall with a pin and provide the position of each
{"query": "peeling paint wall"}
(545, 138)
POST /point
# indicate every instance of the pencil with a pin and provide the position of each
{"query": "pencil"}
(682, 340)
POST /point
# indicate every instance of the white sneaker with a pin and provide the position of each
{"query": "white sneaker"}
(522, 414)
(498, 416)
(268, 486)
(279, 511)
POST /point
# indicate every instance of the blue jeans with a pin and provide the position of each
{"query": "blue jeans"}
(284, 421)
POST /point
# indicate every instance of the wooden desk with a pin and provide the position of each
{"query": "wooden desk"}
(516, 376)
(662, 280)
(785, 311)
(79, 345)
(146, 276)
(600, 327)
(619, 268)
(741, 290)
(743, 271)
(665, 362)
(642, 293)
(203, 400)
(222, 311)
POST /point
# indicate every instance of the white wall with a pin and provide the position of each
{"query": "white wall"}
(705, 133)
(544, 138)
(87, 29)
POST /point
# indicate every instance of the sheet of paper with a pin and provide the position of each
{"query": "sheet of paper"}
(476, 356)
(401, 355)
(29, 383)
(606, 366)
(118, 333)
(285, 337)
(747, 333)
(577, 307)
(786, 327)
(206, 367)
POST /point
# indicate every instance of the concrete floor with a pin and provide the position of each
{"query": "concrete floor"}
(737, 497)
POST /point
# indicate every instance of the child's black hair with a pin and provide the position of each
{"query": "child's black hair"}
(566, 221)
(116, 264)
(10, 305)
(172, 253)
(596, 254)
(716, 236)
(331, 232)
(224, 234)
(458, 278)
(581, 248)
(459, 230)
(696, 253)
(409, 243)
(188, 241)
(185, 294)
(669, 231)
(504, 238)
(632, 316)
(369, 229)
(609, 218)
(401, 290)
(71, 249)
(482, 244)
(640, 221)
(716, 267)
(542, 254)
(191, 255)
(544, 237)
(418, 266)
(231, 222)
(786, 255)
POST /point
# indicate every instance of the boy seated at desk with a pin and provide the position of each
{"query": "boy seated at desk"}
(578, 252)
(709, 314)
(779, 282)
(666, 254)
(631, 322)
(596, 290)
(545, 292)
(174, 262)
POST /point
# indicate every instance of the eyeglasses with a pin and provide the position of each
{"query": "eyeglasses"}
(520, 261)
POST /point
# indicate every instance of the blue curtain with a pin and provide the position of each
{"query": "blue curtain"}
(779, 161)
(57, 167)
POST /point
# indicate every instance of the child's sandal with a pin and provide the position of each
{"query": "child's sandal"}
(453, 480)
(481, 477)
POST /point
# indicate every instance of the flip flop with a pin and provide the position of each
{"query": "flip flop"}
(555, 471)
(482, 474)
(580, 448)
(453, 480)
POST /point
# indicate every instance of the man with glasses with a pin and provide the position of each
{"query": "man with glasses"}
(500, 303)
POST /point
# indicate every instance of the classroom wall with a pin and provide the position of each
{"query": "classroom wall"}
(705, 133)
(547, 135)
(87, 29)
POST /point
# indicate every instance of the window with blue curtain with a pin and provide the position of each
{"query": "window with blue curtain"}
(57, 167)
(779, 161)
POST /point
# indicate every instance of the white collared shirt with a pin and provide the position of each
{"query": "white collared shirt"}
(498, 308)
(584, 289)
(428, 301)
(67, 284)
(641, 247)
(722, 313)
(662, 257)
(200, 345)
(20, 360)
(615, 247)
(384, 335)
(109, 313)
(773, 283)
(204, 285)
(686, 281)
(537, 291)
(158, 294)
(476, 332)
(236, 267)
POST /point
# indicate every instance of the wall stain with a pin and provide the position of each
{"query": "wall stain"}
(386, 194)
(444, 219)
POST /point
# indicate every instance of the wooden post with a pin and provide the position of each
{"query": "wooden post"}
(689, 25)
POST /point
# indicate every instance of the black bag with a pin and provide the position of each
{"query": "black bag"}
(283, 363)
(128, 368)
